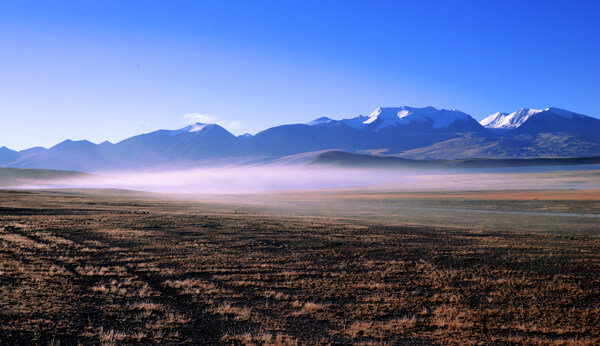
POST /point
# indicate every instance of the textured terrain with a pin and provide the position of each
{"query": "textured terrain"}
(111, 268)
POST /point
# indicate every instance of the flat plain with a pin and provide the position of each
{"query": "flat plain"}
(434, 267)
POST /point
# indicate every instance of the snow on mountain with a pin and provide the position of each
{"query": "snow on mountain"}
(391, 116)
(495, 120)
(509, 121)
(424, 132)
(516, 119)
(197, 127)
(192, 128)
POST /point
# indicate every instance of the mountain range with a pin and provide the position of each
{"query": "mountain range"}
(405, 132)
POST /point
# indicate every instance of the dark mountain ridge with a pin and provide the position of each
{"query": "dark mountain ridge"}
(345, 159)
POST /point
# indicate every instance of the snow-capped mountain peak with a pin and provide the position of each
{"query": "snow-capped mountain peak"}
(516, 119)
(509, 121)
(494, 119)
(197, 127)
(391, 116)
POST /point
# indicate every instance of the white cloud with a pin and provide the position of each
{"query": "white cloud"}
(201, 118)
(233, 126)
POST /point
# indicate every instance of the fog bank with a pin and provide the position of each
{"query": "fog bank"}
(262, 179)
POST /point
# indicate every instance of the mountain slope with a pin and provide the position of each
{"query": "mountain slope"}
(555, 120)
(437, 119)
(300, 138)
(411, 117)
(339, 158)
(401, 131)
(193, 142)
(7, 155)
(547, 120)
(523, 146)
(67, 155)
(389, 130)
(509, 121)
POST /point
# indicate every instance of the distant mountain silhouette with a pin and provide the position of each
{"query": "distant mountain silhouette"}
(408, 132)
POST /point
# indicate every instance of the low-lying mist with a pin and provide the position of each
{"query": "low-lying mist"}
(272, 179)
(543, 200)
(239, 180)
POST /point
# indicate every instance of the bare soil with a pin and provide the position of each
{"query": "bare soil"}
(108, 267)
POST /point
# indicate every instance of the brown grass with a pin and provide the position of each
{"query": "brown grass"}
(79, 268)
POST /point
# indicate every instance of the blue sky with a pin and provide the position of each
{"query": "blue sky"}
(107, 70)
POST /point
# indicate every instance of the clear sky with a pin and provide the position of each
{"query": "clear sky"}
(107, 70)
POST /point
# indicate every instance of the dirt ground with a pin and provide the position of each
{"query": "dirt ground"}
(111, 267)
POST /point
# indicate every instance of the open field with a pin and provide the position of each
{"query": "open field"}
(344, 267)
(572, 212)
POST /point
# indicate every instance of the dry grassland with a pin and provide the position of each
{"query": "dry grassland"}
(99, 269)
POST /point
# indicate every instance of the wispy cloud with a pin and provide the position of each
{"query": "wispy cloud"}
(234, 125)
(201, 118)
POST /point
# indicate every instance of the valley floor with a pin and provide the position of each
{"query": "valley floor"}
(114, 267)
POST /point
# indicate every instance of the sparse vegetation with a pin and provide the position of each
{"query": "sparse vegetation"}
(94, 269)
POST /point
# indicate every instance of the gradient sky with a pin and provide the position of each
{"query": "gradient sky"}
(107, 70)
